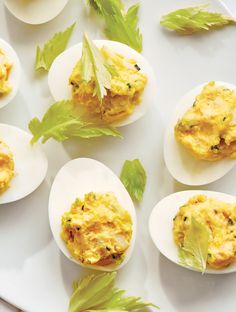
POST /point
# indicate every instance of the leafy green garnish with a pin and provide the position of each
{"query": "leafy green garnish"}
(52, 48)
(97, 293)
(94, 66)
(194, 252)
(120, 25)
(97, 5)
(194, 19)
(133, 176)
(63, 121)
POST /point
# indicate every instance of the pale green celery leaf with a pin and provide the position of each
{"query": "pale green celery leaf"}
(39, 60)
(97, 293)
(111, 6)
(119, 302)
(55, 46)
(133, 176)
(92, 131)
(194, 19)
(120, 25)
(94, 66)
(186, 259)
(98, 5)
(63, 121)
(114, 301)
(195, 248)
(132, 16)
(107, 310)
(56, 122)
(91, 291)
(95, 5)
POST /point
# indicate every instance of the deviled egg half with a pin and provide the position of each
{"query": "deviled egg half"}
(171, 219)
(10, 71)
(133, 85)
(92, 216)
(200, 140)
(35, 11)
(23, 167)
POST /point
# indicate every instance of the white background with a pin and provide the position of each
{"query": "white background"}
(33, 273)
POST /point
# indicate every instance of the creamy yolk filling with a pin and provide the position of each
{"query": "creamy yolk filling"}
(220, 219)
(97, 230)
(208, 128)
(5, 68)
(6, 167)
(124, 95)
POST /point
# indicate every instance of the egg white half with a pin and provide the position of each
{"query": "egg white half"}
(161, 224)
(75, 179)
(30, 163)
(15, 73)
(61, 69)
(35, 11)
(179, 161)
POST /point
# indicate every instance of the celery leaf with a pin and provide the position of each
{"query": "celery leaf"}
(97, 293)
(52, 48)
(63, 121)
(133, 176)
(194, 251)
(94, 66)
(120, 25)
(194, 19)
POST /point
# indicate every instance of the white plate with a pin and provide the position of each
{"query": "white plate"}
(35, 11)
(75, 179)
(179, 161)
(34, 274)
(161, 223)
(30, 163)
(15, 73)
(61, 69)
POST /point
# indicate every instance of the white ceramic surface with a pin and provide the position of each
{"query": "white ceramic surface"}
(179, 161)
(31, 265)
(15, 73)
(229, 6)
(35, 11)
(30, 163)
(75, 179)
(61, 69)
(161, 223)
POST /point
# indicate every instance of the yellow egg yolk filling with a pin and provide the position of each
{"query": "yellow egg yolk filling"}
(208, 128)
(127, 85)
(5, 68)
(97, 230)
(220, 219)
(6, 167)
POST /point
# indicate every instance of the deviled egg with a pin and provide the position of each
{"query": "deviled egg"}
(23, 167)
(171, 218)
(5, 70)
(133, 87)
(215, 216)
(92, 216)
(6, 167)
(35, 11)
(199, 141)
(9, 73)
